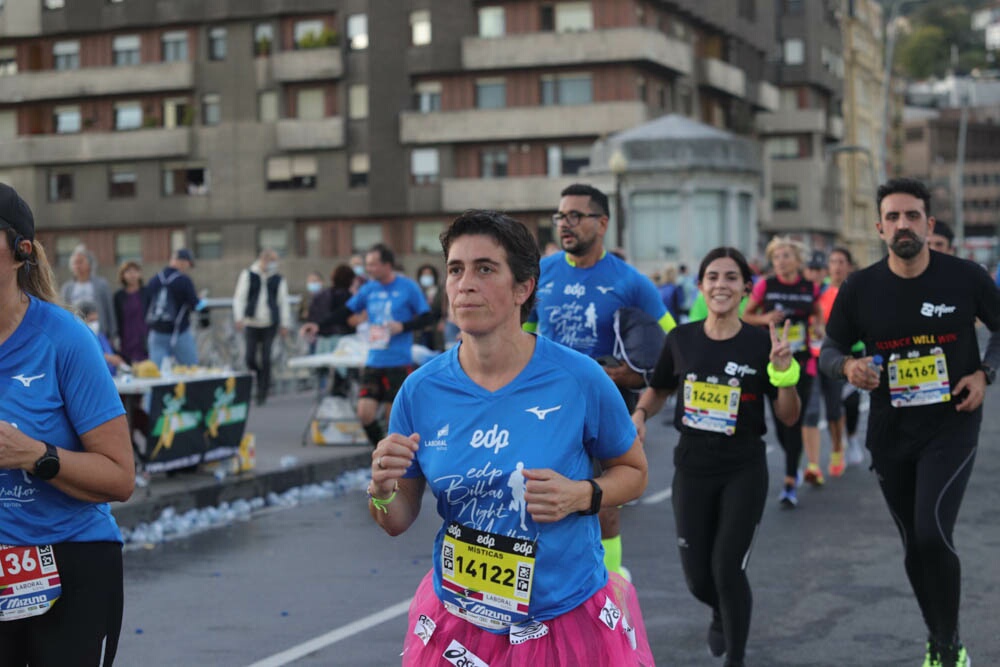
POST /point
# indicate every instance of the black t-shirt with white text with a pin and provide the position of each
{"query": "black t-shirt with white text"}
(797, 300)
(924, 329)
(717, 380)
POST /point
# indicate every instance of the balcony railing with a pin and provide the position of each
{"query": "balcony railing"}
(94, 81)
(307, 65)
(96, 147)
(577, 48)
(513, 123)
(526, 193)
(294, 134)
(723, 77)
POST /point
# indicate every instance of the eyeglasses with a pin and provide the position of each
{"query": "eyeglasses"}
(573, 218)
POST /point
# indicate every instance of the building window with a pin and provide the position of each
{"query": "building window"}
(567, 89)
(55, 4)
(208, 245)
(65, 246)
(493, 163)
(217, 44)
(8, 60)
(263, 39)
(491, 94)
(310, 34)
(357, 32)
(313, 241)
(310, 104)
(574, 17)
(788, 148)
(365, 235)
(420, 27)
(567, 160)
(785, 197)
(175, 46)
(357, 102)
(427, 96)
(128, 115)
(60, 186)
(296, 172)
(128, 247)
(793, 6)
(177, 112)
(275, 239)
(267, 106)
(427, 237)
(424, 166)
(125, 50)
(8, 125)
(211, 111)
(492, 22)
(122, 181)
(914, 134)
(67, 119)
(794, 52)
(184, 179)
(358, 167)
(66, 55)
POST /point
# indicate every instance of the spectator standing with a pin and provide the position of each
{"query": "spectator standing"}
(395, 308)
(86, 285)
(172, 298)
(432, 336)
(261, 310)
(67, 457)
(689, 290)
(131, 302)
(670, 292)
(326, 321)
(88, 311)
(314, 285)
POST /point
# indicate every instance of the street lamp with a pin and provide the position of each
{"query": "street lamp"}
(618, 164)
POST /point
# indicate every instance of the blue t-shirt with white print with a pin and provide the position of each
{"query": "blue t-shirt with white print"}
(54, 385)
(559, 412)
(399, 301)
(576, 307)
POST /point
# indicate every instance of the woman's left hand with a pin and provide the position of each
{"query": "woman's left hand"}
(781, 350)
(550, 496)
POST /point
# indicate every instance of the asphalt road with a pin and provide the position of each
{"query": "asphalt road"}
(320, 585)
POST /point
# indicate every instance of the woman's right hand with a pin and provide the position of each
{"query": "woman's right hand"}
(391, 459)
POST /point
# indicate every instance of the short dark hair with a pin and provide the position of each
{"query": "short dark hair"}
(432, 269)
(342, 276)
(385, 255)
(942, 228)
(598, 198)
(845, 252)
(908, 186)
(520, 245)
(733, 254)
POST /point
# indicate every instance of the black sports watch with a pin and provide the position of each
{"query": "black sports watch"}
(595, 499)
(991, 373)
(47, 467)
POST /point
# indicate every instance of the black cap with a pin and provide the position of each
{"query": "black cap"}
(185, 254)
(817, 260)
(14, 212)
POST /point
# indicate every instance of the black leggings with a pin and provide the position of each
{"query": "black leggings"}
(790, 437)
(82, 627)
(852, 411)
(263, 338)
(924, 496)
(717, 516)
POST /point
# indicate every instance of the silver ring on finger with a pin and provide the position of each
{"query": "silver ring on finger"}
(378, 462)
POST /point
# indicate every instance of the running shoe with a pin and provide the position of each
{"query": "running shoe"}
(954, 655)
(788, 498)
(855, 451)
(814, 475)
(837, 465)
(716, 640)
(933, 656)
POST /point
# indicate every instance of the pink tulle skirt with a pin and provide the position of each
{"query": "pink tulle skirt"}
(591, 634)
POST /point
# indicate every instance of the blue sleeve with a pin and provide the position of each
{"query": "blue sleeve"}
(647, 297)
(88, 390)
(401, 421)
(358, 302)
(608, 430)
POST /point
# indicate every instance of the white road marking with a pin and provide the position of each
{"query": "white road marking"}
(291, 655)
(658, 497)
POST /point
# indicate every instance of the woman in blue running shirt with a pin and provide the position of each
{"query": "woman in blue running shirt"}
(64, 454)
(722, 369)
(503, 428)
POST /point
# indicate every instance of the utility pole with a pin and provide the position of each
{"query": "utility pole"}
(958, 190)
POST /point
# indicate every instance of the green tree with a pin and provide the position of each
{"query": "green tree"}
(924, 52)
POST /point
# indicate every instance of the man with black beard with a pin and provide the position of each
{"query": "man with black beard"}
(917, 310)
(579, 291)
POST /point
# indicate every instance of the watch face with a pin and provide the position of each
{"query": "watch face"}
(47, 467)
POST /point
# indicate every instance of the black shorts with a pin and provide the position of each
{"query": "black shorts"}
(382, 384)
(82, 627)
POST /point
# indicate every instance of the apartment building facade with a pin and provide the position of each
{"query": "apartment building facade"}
(803, 179)
(319, 127)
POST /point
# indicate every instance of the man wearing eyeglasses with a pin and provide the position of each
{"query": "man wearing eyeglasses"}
(579, 290)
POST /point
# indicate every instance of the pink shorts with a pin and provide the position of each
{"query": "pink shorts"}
(591, 634)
